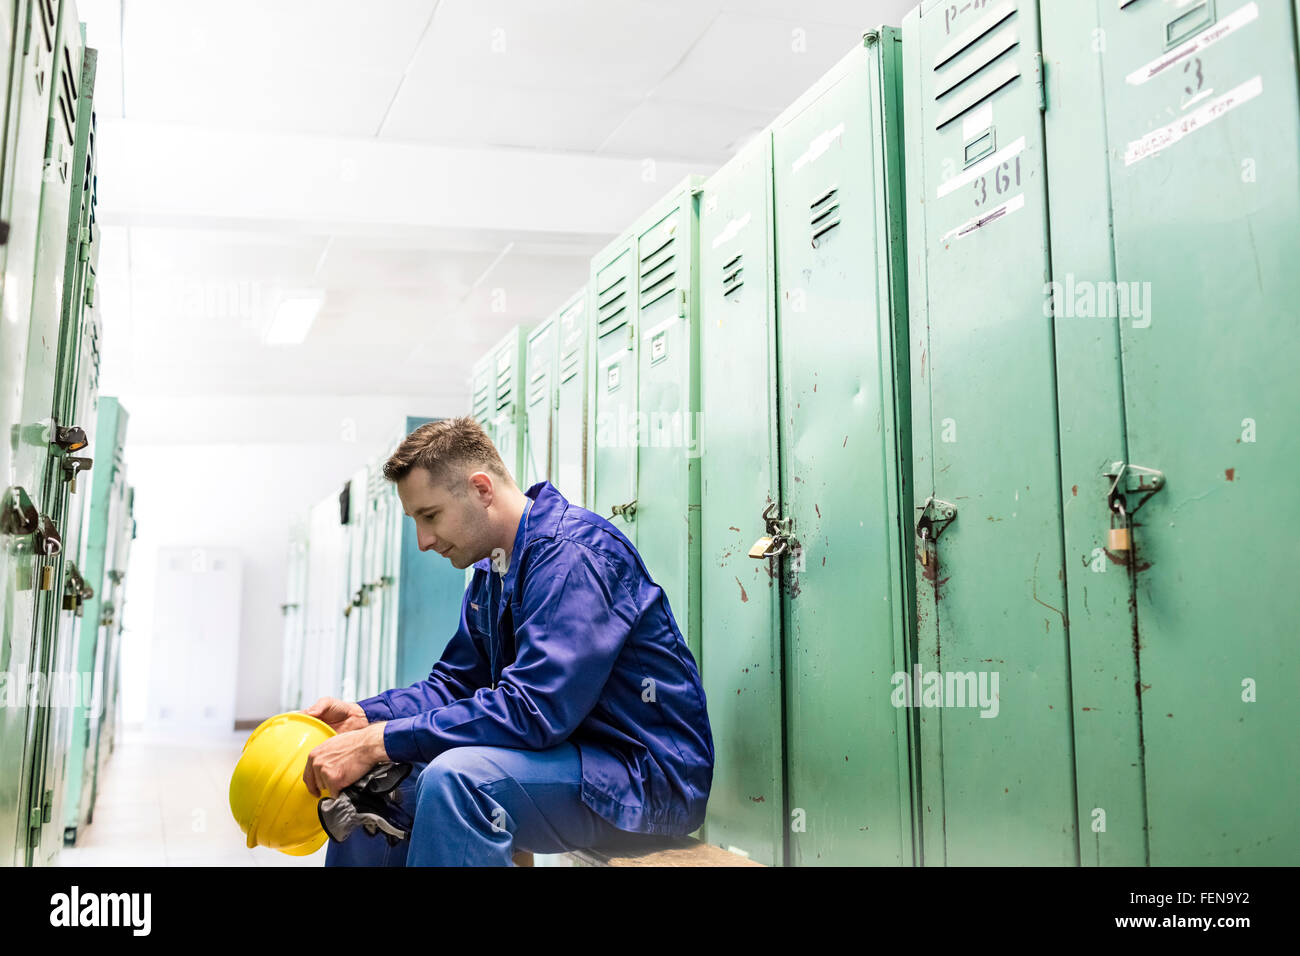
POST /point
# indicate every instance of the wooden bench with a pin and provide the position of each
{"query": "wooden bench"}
(676, 851)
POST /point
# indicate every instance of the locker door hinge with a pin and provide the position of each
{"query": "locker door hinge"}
(1040, 81)
(681, 304)
(47, 804)
(83, 245)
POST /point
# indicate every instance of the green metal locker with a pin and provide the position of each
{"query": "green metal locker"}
(355, 596)
(481, 398)
(105, 719)
(1103, 668)
(328, 601)
(36, 193)
(611, 386)
(99, 617)
(508, 419)
(1197, 152)
(542, 354)
(741, 662)
(294, 613)
(51, 432)
(374, 571)
(843, 445)
(644, 436)
(569, 474)
(74, 403)
(992, 600)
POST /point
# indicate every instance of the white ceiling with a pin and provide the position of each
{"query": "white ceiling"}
(441, 170)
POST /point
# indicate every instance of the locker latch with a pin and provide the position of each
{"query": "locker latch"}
(627, 511)
(1127, 480)
(74, 465)
(46, 540)
(776, 538)
(18, 516)
(936, 515)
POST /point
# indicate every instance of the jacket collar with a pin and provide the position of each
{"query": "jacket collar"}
(540, 520)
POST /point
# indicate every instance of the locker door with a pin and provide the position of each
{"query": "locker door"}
(53, 350)
(571, 402)
(1203, 126)
(667, 423)
(998, 777)
(612, 391)
(508, 418)
(348, 676)
(841, 331)
(28, 86)
(740, 596)
(539, 390)
(481, 400)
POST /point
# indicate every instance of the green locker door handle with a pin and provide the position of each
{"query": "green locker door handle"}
(627, 511)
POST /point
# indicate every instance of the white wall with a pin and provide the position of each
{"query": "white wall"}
(243, 496)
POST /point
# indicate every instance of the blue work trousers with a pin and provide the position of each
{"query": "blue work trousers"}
(476, 806)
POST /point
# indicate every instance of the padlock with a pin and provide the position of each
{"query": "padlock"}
(759, 548)
(1119, 539)
(47, 578)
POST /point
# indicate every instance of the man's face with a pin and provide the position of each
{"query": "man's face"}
(454, 525)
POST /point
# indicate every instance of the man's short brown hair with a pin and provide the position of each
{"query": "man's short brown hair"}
(446, 449)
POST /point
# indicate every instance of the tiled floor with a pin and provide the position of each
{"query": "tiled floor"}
(164, 802)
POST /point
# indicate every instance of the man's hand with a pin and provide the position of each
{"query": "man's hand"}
(344, 760)
(341, 715)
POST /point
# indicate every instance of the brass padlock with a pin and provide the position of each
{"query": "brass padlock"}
(1119, 540)
(759, 548)
(47, 578)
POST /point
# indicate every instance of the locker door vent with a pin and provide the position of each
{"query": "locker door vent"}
(48, 21)
(570, 342)
(68, 98)
(611, 307)
(505, 388)
(658, 272)
(482, 398)
(569, 362)
(733, 274)
(975, 64)
(537, 386)
(824, 214)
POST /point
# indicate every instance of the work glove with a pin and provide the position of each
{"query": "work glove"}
(373, 803)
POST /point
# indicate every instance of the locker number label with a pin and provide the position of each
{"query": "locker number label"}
(659, 348)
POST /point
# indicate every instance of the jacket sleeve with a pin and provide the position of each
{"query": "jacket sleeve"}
(576, 615)
(462, 668)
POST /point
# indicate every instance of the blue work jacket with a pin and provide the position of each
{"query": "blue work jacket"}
(582, 647)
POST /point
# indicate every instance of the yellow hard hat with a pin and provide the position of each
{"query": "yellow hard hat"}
(270, 802)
